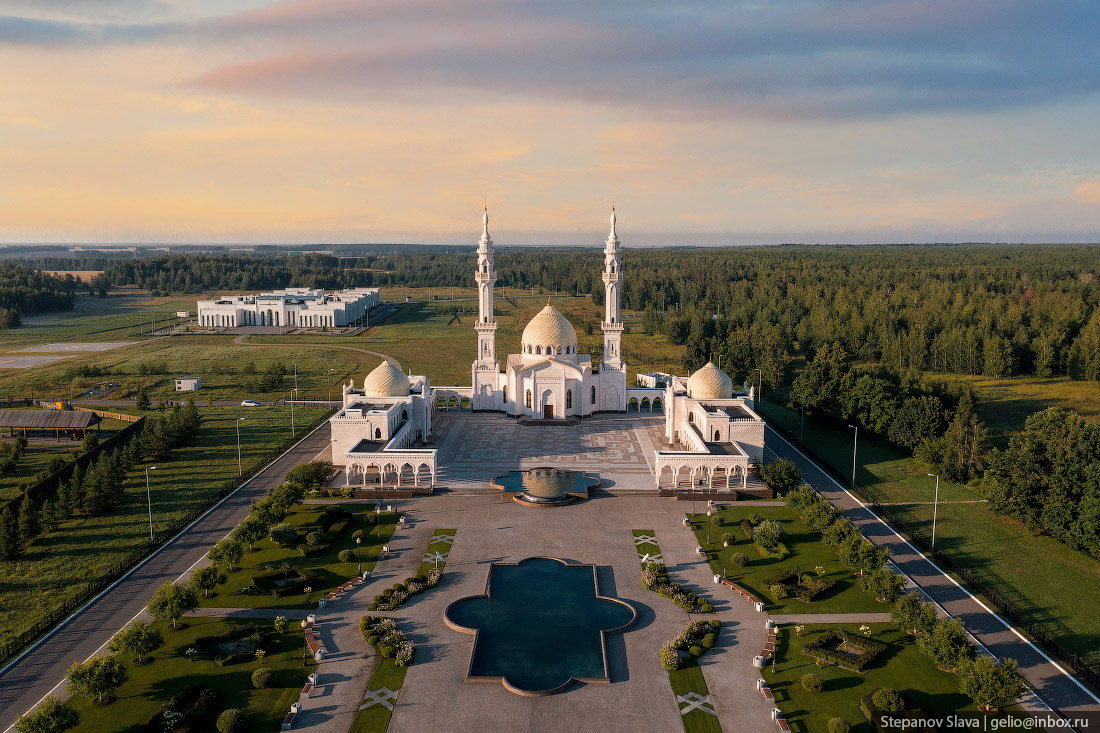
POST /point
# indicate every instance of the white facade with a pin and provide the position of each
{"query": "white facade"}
(290, 308)
(188, 384)
(548, 379)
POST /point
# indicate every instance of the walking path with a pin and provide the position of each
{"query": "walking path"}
(41, 669)
(1056, 687)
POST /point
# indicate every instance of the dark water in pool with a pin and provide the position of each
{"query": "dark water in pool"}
(545, 483)
(540, 625)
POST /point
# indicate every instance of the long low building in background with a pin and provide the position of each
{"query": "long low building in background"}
(290, 308)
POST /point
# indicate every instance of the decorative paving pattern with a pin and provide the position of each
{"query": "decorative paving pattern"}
(651, 552)
(695, 701)
(474, 446)
(383, 696)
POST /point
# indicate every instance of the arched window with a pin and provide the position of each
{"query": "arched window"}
(404, 414)
(504, 393)
(691, 417)
(378, 433)
(528, 399)
(717, 436)
(568, 399)
(593, 396)
(538, 350)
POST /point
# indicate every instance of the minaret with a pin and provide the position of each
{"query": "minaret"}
(612, 322)
(486, 368)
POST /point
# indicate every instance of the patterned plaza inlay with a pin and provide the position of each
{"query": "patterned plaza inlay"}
(695, 701)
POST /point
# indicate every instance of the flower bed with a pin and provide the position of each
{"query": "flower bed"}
(193, 708)
(285, 581)
(696, 639)
(793, 582)
(387, 639)
(868, 649)
(655, 578)
(234, 645)
(392, 598)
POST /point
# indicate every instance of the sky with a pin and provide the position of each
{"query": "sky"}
(721, 123)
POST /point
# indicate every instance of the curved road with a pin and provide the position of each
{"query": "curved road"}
(43, 667)
(1060, 691)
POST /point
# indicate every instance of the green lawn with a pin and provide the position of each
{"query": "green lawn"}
(33, 461)
(376, 718)
(443, 548)
(267, 555)
(807, 552)
(689, 678)
(152, 684)
(63, 566)
(902, 667)
(1000, 551)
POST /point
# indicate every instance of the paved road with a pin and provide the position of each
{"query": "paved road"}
(24, 683)
(1059, 691)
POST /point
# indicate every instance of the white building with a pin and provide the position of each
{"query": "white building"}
(548, 379)
(717, 436)
(379, 432)
(188, 384)
(290, 308)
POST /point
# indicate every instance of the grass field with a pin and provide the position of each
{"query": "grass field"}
(376, 718)
(33, 460)
(999, 550)
(267, 555)
(57, 568)
(152, 684)
(901, 667)
(807, 552)
(441, 547)
(689, 678)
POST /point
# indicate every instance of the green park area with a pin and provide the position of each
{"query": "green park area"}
(802, 553)
(65, 566)
(319, 571)
(181, 665)
(900, 666)
(1000, 551)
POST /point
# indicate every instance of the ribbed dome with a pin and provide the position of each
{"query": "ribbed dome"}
(549, 328)
(386, 380)
(710, 383)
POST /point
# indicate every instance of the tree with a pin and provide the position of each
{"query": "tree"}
(918, 419)
(11, 540)
(49, 517)
(912, 616)
(99, 677)
(231, 721)
(90, 441)
(170, 601)
(946, 644)
(283, 534)
(207, 578)
(767, 533)
(884, 585)
(252, 529)
(227, 552)
(989, 683)
(29, 528)
(309, 476)
(782, 476)
(142, 400)
(139, 639)
(51, 716)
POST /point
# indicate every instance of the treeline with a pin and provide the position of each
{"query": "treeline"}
(27, 291)
(97, 489)
(1049, 478)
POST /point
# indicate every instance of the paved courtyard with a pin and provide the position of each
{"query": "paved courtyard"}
(489, 529)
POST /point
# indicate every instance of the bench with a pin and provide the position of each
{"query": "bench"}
(782, 724)
(767, 693)
(307, 690)
(289, 720)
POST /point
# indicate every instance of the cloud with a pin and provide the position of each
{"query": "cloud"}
(1088, 192)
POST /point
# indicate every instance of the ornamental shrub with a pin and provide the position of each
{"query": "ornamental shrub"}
(739, 559)
(371, 520)
(261, 678)
(231, 721)
(695, 651)
(358, 535)
(812, 683)
(387, 651)
(717, 520)
(315, 539)
(839, 725)
(283, 534)
(345, 556)
(670, 658)
(888, 700)
(705, 607)
(708, 641)
(715, 624)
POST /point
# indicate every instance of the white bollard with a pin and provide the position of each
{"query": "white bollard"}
(758, 662)
(760, 607)
(776, 715)
(686, 522)
(312, 679)
(761, 684)
(717, 579)
(311, 618)
(769, 624)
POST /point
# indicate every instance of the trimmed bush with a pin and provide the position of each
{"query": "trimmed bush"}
(346, 556)
(231, 721)
(888, 700)
(717, 520)
(708, 641)
(387, 651)
(812, 683)
(839, 725)
(262, 677)
(869, 649)
(695, 651)
(738, 559)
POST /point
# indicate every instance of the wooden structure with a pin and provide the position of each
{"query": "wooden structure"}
(47, 420)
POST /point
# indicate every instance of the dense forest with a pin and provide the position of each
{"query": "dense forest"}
(24, 290)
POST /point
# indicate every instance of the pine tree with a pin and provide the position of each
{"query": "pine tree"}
(11, 541)
(29, 527)
(49, 518)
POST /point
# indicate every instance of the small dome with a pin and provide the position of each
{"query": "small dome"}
(549, 328)
(386, 380)
(710, 383)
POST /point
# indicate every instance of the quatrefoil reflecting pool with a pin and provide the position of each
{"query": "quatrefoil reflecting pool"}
(540, 625)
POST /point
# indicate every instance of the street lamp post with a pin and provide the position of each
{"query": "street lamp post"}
(709, 525)
(293, 396)
(149, 499)
(359, 541)
(240, 469)
(760, 383)
(802, 424)
(855, 442)
(725, 556)
(935, 509)
(295, 364)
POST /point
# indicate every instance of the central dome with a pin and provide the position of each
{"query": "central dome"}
(549, 332)
(710, 383)
(386, 380)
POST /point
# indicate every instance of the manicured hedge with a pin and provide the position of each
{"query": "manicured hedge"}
(304, 579)
(870, 649)
(208, 645)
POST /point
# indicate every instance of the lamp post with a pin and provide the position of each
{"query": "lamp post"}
(802, 423)
(760, 384)
(709, 525)
(295, 365)
(240, 469)
(935, 510)
(293, 396)
(725, 556)
(855, 442)
(359, 541)
(149, 499)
